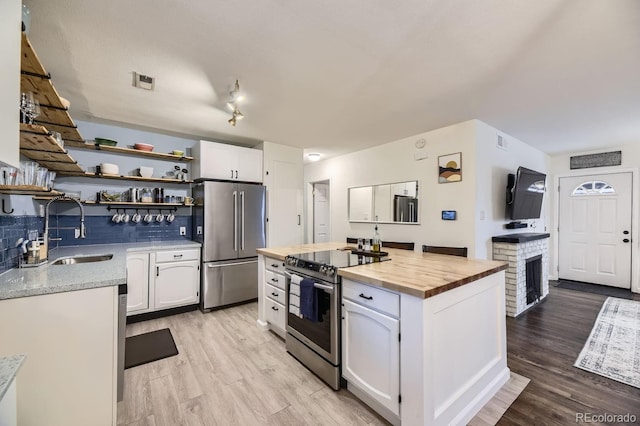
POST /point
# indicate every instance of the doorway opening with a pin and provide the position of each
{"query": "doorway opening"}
(321, 212)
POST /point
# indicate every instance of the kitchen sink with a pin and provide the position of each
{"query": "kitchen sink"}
(82, 259)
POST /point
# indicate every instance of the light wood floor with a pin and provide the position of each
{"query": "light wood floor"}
(229, 372)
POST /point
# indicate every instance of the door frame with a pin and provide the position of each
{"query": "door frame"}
(309, 213)
(635, 181)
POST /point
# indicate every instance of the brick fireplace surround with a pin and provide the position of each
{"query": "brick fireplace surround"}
(517, 249)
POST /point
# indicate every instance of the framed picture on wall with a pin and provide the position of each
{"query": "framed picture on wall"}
(450, 168)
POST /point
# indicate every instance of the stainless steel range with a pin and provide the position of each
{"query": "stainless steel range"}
(315, 342)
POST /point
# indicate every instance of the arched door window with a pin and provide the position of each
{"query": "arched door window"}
(593, 187)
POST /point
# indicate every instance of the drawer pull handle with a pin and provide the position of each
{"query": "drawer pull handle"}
(275, 280)
(274, 265)
(366, 297)
(274, 308)
(177, 256)
(274, 294)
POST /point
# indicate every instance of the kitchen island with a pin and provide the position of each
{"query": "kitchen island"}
(449, 356)
(65, 318)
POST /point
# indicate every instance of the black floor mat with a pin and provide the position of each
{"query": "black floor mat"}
(148, 347)
(594, 288)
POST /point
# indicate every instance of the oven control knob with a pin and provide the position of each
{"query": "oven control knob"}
(323, 269)
(331, 272)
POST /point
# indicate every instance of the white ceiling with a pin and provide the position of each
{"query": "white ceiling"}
(337, 76)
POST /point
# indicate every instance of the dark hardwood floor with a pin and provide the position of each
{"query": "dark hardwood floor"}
(542, 344)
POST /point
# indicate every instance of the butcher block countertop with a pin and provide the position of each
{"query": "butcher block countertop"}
(417, 274)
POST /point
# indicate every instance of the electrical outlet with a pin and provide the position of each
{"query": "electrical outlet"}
(183, 230)
(41, 210)
(199, 230)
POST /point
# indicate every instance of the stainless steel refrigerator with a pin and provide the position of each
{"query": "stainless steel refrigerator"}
(229, 222)
(405, 209)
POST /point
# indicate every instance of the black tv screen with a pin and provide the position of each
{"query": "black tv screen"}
(524, 199)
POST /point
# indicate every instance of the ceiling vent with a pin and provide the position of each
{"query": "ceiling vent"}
(143, 81)
(501, 142)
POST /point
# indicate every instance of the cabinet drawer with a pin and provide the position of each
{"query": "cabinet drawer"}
(274, 265)
(275, 313)
(373, 297)
(276, 280)
(275, 293)
(177, 255)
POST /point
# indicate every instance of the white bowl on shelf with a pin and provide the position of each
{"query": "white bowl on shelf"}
(146, 171)
(109, 169)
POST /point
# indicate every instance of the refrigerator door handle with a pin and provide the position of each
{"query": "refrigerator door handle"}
(210, 265)
(235, 220)
(242, 218)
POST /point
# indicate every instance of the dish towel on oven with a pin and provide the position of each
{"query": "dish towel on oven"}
(308, 300)
(294, 295)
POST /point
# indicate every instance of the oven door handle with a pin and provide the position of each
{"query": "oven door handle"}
(326, 288)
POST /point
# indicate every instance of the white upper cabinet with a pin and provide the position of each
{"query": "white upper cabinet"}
(213, 160)
(10, 22)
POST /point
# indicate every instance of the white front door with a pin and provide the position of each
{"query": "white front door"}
(595, 229)
(321, 216)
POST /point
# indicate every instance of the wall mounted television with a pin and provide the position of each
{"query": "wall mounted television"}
(525, 190)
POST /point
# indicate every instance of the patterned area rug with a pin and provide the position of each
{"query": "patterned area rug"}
(613, 348)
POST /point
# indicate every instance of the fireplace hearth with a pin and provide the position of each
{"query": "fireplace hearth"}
(526, 278)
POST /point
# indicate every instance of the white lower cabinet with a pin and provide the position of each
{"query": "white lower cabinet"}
(137, 282)
(371, 347)
(176, 284)
(162, 279)
(275, 300)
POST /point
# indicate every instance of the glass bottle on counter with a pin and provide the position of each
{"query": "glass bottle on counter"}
(377, 243)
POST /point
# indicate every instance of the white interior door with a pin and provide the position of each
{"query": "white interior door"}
(321, 216)
(595, 229)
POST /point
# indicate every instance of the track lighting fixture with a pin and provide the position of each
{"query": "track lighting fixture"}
(235, 96)
(237, 115)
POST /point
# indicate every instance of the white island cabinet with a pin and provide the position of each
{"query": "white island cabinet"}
(271, 294)
(423, 334)
(371, 346)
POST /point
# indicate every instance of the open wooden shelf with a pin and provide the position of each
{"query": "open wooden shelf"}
(121, 177)
(37, 144)
(127, 151)
(34, 78)
(29, 190)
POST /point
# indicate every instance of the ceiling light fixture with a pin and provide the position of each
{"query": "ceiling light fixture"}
(235, 96)
(314, 156)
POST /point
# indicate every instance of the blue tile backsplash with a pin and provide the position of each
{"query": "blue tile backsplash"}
(100, 230)
(13, 228)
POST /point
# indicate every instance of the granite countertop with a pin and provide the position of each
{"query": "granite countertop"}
(48, 278)
(415, 273)
(9, 367)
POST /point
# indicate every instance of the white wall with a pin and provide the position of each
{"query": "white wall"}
(394, 162)
(493, 166)
(479, 199)
(559, 165)
(10, 25)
